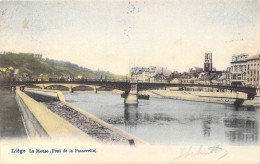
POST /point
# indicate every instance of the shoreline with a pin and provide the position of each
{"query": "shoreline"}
(209, 97)
(187, 96)
(90, 125)
(193, 96)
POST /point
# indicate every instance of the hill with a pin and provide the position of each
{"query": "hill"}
(31, 66)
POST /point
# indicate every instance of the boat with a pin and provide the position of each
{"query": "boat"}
(140, 96)
(143, 97)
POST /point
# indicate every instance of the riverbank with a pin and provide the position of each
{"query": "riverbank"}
(88, 124)
(78, 120)
(212, 97)
(11, 124)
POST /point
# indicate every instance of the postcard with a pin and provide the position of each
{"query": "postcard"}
(130, 81)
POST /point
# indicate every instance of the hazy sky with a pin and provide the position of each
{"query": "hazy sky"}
(106, 35)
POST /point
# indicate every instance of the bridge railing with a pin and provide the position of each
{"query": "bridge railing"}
(248, 89)
(124, 80)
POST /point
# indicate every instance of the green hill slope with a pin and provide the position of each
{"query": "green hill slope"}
(29, 65)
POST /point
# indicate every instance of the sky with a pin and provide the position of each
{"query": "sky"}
(115, 35)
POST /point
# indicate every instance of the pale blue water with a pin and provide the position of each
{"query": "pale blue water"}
(175, 122)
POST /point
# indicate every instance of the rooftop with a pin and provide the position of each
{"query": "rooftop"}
(254, 57)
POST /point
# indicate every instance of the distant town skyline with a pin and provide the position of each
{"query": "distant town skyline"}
(114, 35)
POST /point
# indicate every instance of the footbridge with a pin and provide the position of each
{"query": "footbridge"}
(70, 87)
(131, 87)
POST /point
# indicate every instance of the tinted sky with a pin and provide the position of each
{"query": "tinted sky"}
(106, 35)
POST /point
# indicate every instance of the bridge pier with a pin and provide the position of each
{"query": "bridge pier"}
(71, 90)
(43, 86)
(132, 97)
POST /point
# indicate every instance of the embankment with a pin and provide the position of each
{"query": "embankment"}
(96, 129)
(213, 97)
(42, 124)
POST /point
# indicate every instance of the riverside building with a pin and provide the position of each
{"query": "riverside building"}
(149, 74)
(253, 70)
(238, 69)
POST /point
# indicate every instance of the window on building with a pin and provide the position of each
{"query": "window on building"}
(235, 68)
(239, 77)
(234, 77)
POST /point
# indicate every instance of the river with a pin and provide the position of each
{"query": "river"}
(175, 122)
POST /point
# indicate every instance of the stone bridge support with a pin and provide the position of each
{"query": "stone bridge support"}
(71, 90)
(132, 97)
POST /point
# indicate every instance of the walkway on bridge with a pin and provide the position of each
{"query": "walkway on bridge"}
(11, 124)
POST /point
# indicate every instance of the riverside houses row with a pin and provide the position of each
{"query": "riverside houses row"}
(243, 71)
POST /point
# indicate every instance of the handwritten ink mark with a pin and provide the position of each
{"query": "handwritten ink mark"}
(190, 152)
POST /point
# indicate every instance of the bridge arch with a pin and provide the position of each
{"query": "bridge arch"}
(83, 88)
(66, 87)
(34, 86)
(57, 87)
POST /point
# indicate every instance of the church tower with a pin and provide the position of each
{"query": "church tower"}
(208, 62)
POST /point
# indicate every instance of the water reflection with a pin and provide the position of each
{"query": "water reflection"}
(173, 122)
(131, 116)
(245, 108)
(206, 123)
(241, 130)
(236, 129)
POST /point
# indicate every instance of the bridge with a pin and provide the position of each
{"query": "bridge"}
(131, 88)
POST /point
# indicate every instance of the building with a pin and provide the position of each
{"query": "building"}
(227, 73)
(195, 70)
(253, 69)
(220, 79)
(136, 73)
(149, 74)
(238, 69)
(208, 62)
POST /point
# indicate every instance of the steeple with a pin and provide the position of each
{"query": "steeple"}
(208, 62)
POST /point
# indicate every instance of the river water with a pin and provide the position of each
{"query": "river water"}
(175, 122)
